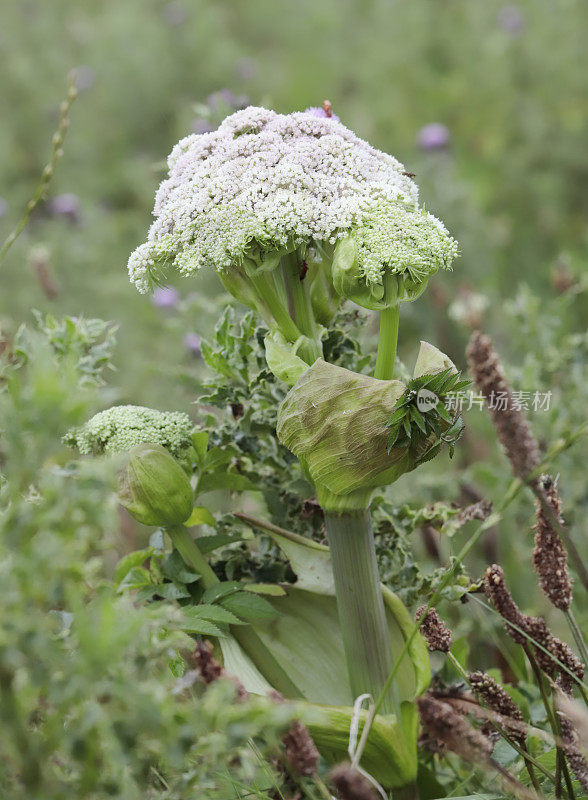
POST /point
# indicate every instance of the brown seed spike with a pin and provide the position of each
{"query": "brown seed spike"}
(511, 426)
(498, 699)
(351, 784)
(441, 722)
(550, 558)
(435, 632)
(502, 600)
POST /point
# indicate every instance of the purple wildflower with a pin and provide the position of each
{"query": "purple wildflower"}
(434, 136)
(200, 126)
(174, 14)
(192, 343)
(165, 297)
(66, 205)
(246, 68)
(511, 20)
(322, 112)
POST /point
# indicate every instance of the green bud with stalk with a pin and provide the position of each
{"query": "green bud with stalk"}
(297, 215)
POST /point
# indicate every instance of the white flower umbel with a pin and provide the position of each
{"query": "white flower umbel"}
(267, 183)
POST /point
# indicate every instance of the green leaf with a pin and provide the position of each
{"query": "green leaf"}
(406, 426)
(397, 417)
(203, 627)
(175, 568)
(136, 578)
(270, 589)
(126, 564)
(212, 481)
(443, 412)
(220, 590)
(418, 418)
(217, 457)
(212, 613)
(200, 442)
(206, 544)
(249, 607)
(200, 516)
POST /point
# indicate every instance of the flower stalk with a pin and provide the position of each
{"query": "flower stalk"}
(360, 605)
(387, 342)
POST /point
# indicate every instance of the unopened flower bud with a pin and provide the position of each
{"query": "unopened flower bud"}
(154, 488)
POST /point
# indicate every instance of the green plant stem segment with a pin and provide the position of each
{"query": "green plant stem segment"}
(301, 307)
(245, 635)
(387, 341)
(360, 605)
(267, 292)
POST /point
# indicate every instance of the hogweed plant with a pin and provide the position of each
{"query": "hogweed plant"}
(297, 215)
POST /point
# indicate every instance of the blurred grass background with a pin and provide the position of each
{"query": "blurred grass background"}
(485, 102)
(506, 81)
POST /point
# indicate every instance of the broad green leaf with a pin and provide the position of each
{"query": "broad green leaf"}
(211, 613)
(220, 590)
(169, 591)
(271, 589)
(200, 516)
(202, 627)
(126, 564)
(200, 442)
(212, 481)
(206, 544)
(136, 578)
(249, 607)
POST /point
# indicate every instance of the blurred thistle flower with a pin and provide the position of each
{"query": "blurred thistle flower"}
(434, 136)
(192, 343)
(66, 205)
(165, 297)
(226, 98)
(3, 208)
(511, 20)
(200, 126)
(323, 111)
(246, 68)
(435, 632)
(174, 13)
(550, 558)
(85, 77)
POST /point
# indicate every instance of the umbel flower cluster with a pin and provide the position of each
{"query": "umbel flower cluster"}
(120, 428)
(265, 185)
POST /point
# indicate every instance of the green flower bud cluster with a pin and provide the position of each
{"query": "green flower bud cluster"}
(120, 428)
(154, 488)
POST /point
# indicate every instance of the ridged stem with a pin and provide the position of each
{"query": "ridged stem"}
(362, 618)
(266, 290)
(300, 305)
(245, 635)
(387, 341)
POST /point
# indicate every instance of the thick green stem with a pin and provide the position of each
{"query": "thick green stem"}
(245, 635)
(300, 305)
(388, 338)
(362, 618)
(266, 290)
